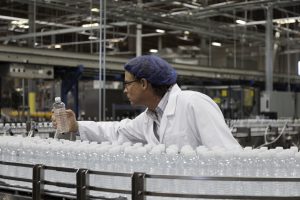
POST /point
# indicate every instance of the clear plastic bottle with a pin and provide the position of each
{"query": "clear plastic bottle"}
(59, 110)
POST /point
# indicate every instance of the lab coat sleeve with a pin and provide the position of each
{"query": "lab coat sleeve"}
(115, 131)
(208, 121)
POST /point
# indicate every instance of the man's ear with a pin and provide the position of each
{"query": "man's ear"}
(144, 83)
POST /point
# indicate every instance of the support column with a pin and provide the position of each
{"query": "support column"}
(288, 57)
(159, 43)
(139, 34)
(31, 43)
(234, 44)
(31, 22)
(269, 51)
(139, 40)
(102, 61)
(53, 37)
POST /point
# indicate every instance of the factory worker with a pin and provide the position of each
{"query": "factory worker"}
(172, 116)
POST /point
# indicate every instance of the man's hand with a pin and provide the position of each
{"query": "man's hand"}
(71, 118)
(73, 124)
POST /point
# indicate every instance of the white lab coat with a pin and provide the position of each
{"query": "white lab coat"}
(190, 118)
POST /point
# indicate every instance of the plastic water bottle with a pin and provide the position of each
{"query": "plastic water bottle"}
(59, 109)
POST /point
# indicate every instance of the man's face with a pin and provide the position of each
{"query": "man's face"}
(133, 89)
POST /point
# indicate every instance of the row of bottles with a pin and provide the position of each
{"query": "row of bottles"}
(159, 159)
(263, 122)
(21, 128)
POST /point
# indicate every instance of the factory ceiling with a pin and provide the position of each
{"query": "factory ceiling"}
(74, 25)
(185, 29)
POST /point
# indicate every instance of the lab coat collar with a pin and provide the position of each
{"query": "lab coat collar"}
(169, 111)
(171, 106)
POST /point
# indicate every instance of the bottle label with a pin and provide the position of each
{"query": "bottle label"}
(61, 120)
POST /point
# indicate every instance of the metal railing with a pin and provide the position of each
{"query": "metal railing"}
(138, 184)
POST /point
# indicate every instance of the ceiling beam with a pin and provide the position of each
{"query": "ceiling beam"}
(71, 59)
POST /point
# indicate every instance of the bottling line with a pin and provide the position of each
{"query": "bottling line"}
(36, 168)
(249, 132)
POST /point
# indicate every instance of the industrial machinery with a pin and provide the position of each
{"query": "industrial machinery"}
(266, 132)
(31, 129)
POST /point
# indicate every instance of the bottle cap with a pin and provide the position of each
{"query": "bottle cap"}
(57, 99)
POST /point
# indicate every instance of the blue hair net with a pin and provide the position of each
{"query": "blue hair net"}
(153, 68)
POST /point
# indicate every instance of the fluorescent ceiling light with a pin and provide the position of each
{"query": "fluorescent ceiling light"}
(238, 21)
(160, 31)
(114, 40)
(92, 37)
(90, 25)
(57, 46)
(153, 50)
(19, 22)
(285, 21)
(95, 10)
(24, 26)
(217, 44)
(23, 23)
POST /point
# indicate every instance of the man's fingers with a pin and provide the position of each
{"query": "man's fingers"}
(53, 120)
(54, 124)
(69, 112)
